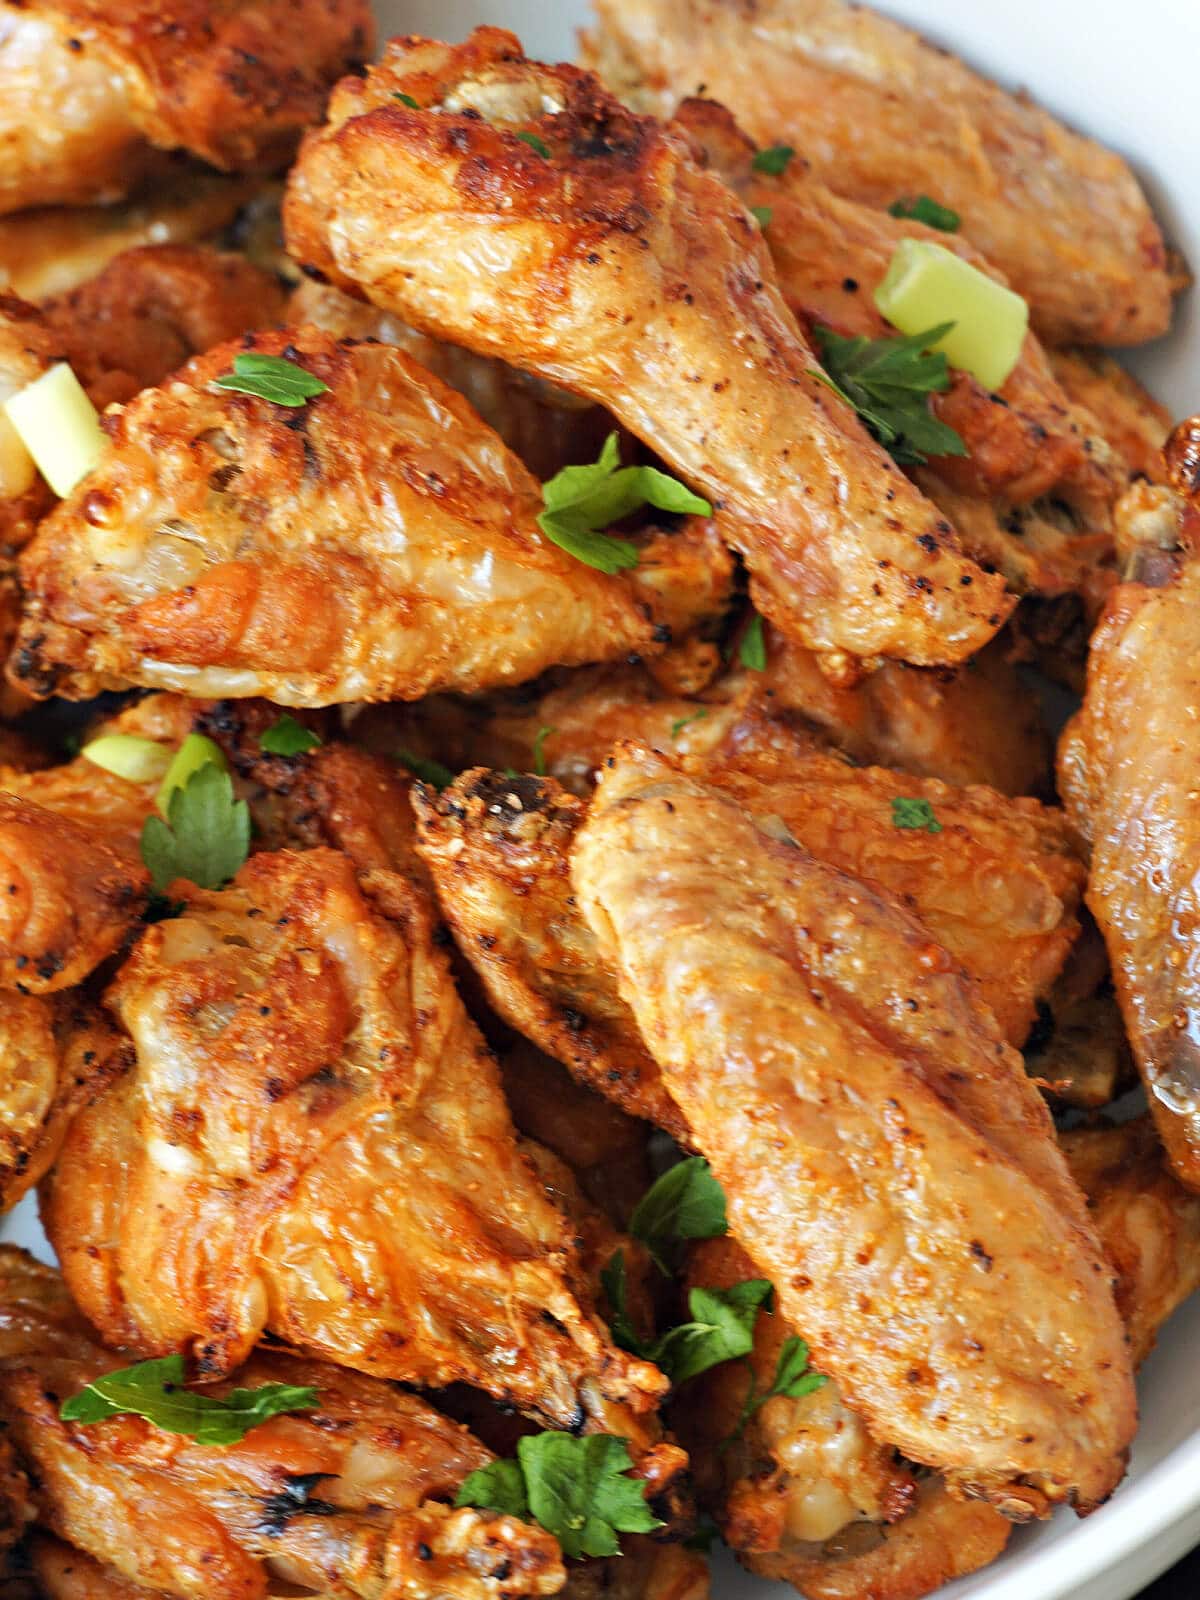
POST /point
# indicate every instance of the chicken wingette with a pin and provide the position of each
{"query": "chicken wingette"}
(886, 1161)
(614, 265)
(93, 88)
(349, 1497)
(378, 542)
(312, 1141)
(880, 115)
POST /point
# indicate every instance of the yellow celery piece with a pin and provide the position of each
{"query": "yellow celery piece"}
(926, 284)
(129, 756)
(59, 426)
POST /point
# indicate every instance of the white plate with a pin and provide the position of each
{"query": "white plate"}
(1123, 72)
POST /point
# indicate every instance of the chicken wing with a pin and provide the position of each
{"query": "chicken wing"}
(312, 1141)
(1134, 423)
(27, 349)
(377, 543)
(348, 1497)
(618, 267)
(931, 1243)
(547, 427)
(880, 115)
(92, 88)
(1127, 770)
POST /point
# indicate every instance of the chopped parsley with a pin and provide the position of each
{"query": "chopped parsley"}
(920, 208)
(773, 160)
(889, 382)
(534, 143)
(288, 737)
(405, 99)
(762, 215)
(915, 813)
(275, 378)
(793, 1380)
(687, 1202)
(539, 754)
(154, 1390)
(425, 768)
(580, 502)
(578, 1489)
(752, 647)
(206, 836)
(681, 723)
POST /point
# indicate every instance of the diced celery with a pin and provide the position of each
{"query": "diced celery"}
(129, 756)
(926, 284)
(59, 427)
(195, 752)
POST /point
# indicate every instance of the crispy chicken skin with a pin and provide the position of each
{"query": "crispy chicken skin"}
(547, 427)
(313, 1142)
(92, 86)
(879, 114)
(830, 254)
(342, 1498)
(618, 267)
(1127, 771)
(1134, 423)
(377, 543)
(919, 1193)
(27, 349)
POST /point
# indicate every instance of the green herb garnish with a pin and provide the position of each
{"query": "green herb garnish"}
(888, 382)
(273, 378)
(405, 99)
(582, 501)
(206, 836)
(721, 1326)
(920, 208)
(154, 1390)
(773, 160)
(793, 1380)
(762, 215)
(578, 1489)
(287, 737)
(681, 723)
(539, 755)
(752, 647)
(428, 770)
(534, 143)
(687, 1202)
(914, 813)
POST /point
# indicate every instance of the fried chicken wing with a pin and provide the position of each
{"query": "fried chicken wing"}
(547, 427)
(1127, 770)
(27, 349)
(312, 1141)
(92, 88)
(616, 266)
(349, 1497)
(881, 115)
(1134, 423)
(378, 543)
(927, 1206)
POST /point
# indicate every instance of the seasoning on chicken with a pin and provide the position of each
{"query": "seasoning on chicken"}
(349, 1496)
(94, 88)
(880, 115)
(377, 542)
(312, 1142)
(854, 1098)
(615, 265)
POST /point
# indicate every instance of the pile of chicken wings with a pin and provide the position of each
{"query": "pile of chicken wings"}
(556, 1002)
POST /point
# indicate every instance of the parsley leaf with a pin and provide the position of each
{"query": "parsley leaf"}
(429, 771)
(153, 1389)
(793, 1379)
(681, 723)
(614, 1283)
(581, 501)
(687, 1202)
(773, 160)
(287, 737)
(888, 382)
(705, 1532)
(914, 813)
(206, 836)
(752, 648)
(539, 755)
(534, 143)
(405, 99)
(273, 378)
(721, 1329)
(762, 215)
(578, 1489)
(922, 209)
(500, 1486)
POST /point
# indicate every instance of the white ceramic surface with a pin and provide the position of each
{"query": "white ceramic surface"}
(1124, 72)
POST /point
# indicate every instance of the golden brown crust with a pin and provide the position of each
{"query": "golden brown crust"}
(377, 543)
(315, 1016)
(1134, 423)
(881, 115)
(620, 267)
(344, 1494)
(815, 1041)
